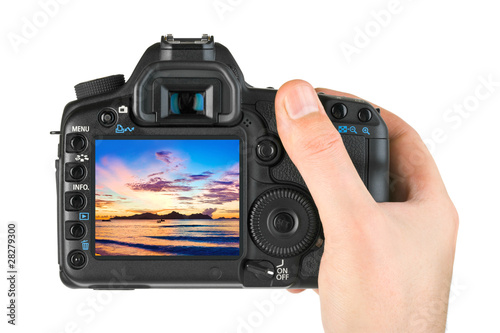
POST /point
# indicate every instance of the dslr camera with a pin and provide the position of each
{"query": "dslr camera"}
(177, 177)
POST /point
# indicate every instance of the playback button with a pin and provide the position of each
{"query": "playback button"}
(74, 230)
(77, 230)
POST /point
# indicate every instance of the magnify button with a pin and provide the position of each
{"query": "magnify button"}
(366, 131)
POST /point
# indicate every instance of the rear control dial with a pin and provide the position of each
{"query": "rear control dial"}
(284, 222)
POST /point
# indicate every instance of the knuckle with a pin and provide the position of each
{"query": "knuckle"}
(413, 134)
(448, 214)
(451, 228)
(317, 144)
(454, 217)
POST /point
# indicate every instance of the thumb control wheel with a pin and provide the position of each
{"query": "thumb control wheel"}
(284, 222)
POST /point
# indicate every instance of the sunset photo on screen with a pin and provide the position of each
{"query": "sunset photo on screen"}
(167, 197)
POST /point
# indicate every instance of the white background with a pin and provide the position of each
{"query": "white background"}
(430, 57)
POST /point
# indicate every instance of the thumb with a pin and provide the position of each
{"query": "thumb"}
(317, 150)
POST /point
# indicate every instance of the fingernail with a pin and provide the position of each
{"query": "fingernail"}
(301, 101)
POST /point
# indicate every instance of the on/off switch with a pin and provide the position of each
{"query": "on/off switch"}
(263, 270)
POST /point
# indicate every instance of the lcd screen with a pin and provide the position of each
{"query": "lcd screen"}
(167, 197)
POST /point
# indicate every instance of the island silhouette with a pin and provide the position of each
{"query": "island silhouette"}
(170, 216)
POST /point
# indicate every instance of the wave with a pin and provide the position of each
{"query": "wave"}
(179, 250)
(188, 225)
(208, 239)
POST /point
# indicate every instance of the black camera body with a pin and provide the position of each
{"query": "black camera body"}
(177, 177)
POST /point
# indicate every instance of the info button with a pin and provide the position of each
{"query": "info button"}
(74, 201)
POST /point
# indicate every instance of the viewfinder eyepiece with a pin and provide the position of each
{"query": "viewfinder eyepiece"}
(172, 93)
(187, 103)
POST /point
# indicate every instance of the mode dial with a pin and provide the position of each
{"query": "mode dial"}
(99, 86)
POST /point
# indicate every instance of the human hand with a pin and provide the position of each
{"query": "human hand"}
(386, 267)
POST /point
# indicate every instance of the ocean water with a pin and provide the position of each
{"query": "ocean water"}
(169, 238)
